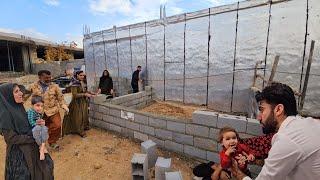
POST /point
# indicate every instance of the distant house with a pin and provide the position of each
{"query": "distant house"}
(18, 52)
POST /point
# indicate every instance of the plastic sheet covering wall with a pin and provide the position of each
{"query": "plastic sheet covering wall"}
(176, 55)
(155, 33)
(251, 47)
(124, 56)
(138, 45)
(222, 46)
(112, 59)
(196, 62)
(174, 58)
(99, 54)
(286, 38)
(312, 100)
(89, 61)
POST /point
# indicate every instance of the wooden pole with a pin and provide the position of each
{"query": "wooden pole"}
(274, 67)
(306, 79)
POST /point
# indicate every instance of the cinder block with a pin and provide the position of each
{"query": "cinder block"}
(103, 109)
(214, 134)
(98, 115)
(254, 127)
(176, 126)
(149, 147)
(159, 142)
(101, 124)
(147, 129)
(132, 125)
(196, 152)
(119, 121)
(182, 138)
(163, 134)
(139, 167)
(148, 88)
(101, 98)
(204, 143)
(158, 123)
(213, 156)
(173, 146)
(239, 123)
(173, 175)
(162, 165)
(205, 118)
(127, 132)
(115, 112)
(140, 136)
(197, 130)
(115, 128)
(107, 118)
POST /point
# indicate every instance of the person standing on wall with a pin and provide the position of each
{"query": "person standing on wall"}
(135, 80)
(53, 101)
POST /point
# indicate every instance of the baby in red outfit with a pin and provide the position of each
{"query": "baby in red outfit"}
(228, 137)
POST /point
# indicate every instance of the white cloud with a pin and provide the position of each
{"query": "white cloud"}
(52, 2)
(110, 6)
(220, 2)
(29, 32)
(135, 11)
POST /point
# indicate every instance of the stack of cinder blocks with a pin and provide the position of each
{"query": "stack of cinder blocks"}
(148, 159)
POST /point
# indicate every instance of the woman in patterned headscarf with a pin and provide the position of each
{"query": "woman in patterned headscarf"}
(77, 121)
(22, 153)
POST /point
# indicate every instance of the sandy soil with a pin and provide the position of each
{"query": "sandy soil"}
(102, 155)
(175, 109)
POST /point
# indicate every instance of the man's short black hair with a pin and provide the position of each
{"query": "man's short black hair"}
(138, 66)
(278, 93)
(41, 72)
(36, 99)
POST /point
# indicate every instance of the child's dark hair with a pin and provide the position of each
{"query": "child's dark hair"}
(36, 99)
(224, 130)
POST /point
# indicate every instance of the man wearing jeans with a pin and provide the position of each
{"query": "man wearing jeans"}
(295, 151)
(53, 101)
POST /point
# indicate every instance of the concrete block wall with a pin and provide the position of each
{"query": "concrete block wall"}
(197, 138)
(134, 101)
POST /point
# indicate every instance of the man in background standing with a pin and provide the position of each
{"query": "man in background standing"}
(53, 101)
(135, 80)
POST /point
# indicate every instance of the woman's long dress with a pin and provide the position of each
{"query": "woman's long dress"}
(77, 120)
(22, 159)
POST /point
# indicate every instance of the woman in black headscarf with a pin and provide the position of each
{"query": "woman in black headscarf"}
(22, 153)
(106, 84)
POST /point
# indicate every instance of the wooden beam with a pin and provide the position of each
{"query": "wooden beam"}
(274, 67)
(306, 79)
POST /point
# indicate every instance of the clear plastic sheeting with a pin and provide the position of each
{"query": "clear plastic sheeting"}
(222, 46)
(174, 81)
(138, 46)
(174, 52)
(251, 48)
(99, 55)
(156, 59)
(174, 42)
(196, 42)
(124, 56)
(290, 15)
(89, 61)
(312, 99)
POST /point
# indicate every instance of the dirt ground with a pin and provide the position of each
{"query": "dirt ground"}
(170, 108)
(101, 155)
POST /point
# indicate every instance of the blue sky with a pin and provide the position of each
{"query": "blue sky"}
(63, 20)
